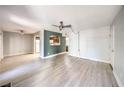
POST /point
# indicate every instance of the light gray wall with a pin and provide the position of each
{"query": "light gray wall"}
(94, 44)
(1, 45)
(15, 43)
(73, 44)
(118, 27)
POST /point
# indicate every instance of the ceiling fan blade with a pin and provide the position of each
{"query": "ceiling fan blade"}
(55, 25)
(66, 26)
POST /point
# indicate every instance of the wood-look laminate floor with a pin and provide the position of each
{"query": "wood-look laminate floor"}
(60, 71)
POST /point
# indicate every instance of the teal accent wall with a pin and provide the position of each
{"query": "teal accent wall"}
(50, 50)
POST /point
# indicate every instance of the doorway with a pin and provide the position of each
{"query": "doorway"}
(67, 44)
(37, 44)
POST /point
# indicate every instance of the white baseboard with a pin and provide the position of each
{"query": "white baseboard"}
(93, 59)
(53, 55)
(73, 55)
(97, 60)
(117, 79)
(17, 54)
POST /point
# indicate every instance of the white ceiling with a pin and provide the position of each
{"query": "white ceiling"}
(34, 18)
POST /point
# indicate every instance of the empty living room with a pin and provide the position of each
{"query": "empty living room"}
(61, 45)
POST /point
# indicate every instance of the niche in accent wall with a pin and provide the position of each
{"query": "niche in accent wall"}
(54, 40)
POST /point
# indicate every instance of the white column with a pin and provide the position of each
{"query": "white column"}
(42, 43)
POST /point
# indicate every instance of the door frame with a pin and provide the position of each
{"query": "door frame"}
(112, 42)
(35, 44)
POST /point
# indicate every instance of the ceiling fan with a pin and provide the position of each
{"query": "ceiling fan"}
(21, 31)
(62, 26)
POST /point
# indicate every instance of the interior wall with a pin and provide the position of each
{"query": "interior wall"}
(73, 44)
(50, 50)
(94, 44)
(118, 25)
(41, 33)
(1, 45)
(16, 44)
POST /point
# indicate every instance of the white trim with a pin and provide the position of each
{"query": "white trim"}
(104, 61)
(1, 45)
(112, 39)
(53, 55)
(93, 59)
(117, 79)
(42, 43)
(17, 54)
